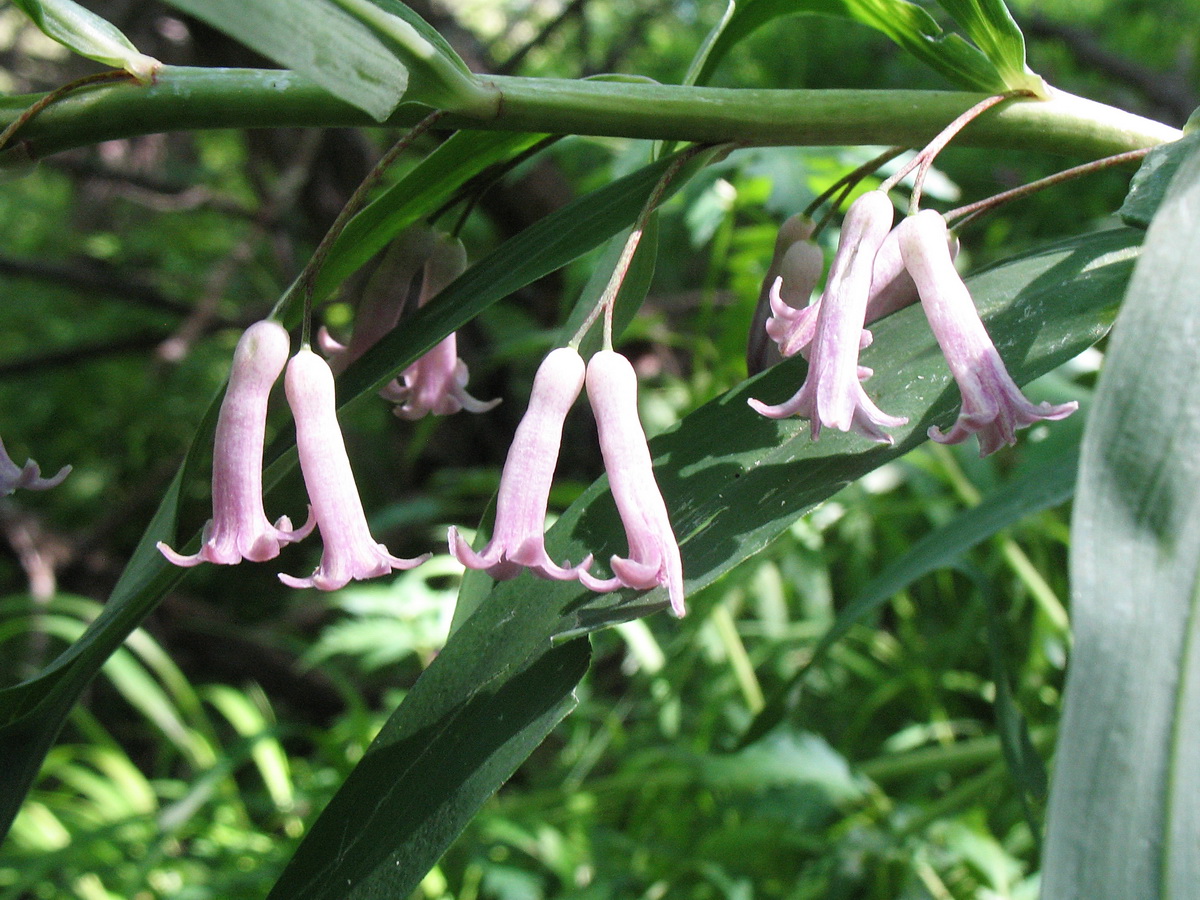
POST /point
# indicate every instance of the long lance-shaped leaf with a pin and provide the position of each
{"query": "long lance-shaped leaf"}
(733, 481)
(1123, 819)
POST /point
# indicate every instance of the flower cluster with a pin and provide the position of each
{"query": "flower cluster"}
(517, 540)
(240, 529)
(876, 270)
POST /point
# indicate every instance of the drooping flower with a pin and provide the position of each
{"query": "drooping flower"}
(436, 383)
(653, 550)
(239, 528)
(28, 476)
(993, 406)
(518, 539)
(350, 550)
(832, 395)
(380, 310)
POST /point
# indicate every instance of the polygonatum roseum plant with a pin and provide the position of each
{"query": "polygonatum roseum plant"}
(654, 558)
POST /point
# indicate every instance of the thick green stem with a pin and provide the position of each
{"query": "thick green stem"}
(191, 98)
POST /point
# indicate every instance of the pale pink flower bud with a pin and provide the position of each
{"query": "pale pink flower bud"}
(28, 476)
(350, 550)
(831, 395)
(518, 539)
(239, 528)
(993, 407)
(436, 383)
(653, 550)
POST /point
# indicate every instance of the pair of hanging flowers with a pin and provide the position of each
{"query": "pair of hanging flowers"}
(876, 270)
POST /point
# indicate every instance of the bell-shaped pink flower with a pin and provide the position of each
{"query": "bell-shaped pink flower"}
(761, 349)
(653, 550)
(239, 528)
(993, 406)
(350, 550)
(28, 476)
(517, 539)
(832, 395)
(380, 309)
(436, 383)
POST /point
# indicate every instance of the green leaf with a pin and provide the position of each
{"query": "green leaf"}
(89, 35)
(990, 25)
(1122, 817)
(733, 481)
(905, 23)
(1150, 182)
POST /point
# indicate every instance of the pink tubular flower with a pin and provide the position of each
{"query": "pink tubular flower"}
(653, 550)
(436, 383)
(239, 528)
(831, 395)
(28, 476)
(992, 405)
(350, 550)
(518, 538)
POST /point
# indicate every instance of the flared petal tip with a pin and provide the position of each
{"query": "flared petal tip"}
(178, 559)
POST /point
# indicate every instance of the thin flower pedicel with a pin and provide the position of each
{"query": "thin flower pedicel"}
(517, 539)
(350, 550)
(993, 406)
(239, 528)
(654, 558)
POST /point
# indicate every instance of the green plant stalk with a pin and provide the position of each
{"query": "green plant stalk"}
(194, 98)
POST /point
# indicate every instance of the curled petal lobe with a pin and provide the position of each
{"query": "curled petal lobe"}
(239, 528)
(28, 476)
(350, 551)
(654, 558)
(832, 395)
(518, 540)
(993, 406)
